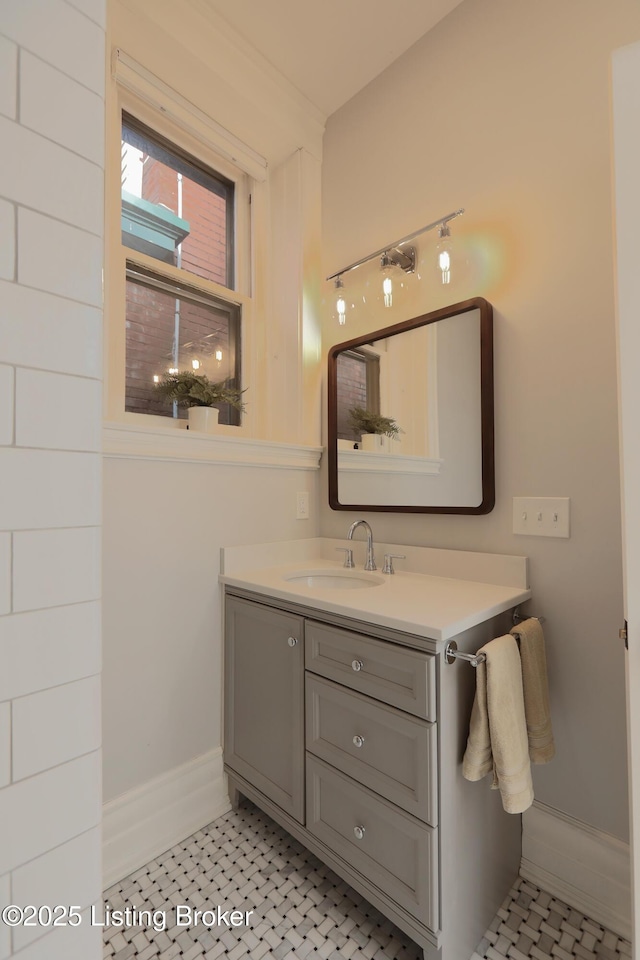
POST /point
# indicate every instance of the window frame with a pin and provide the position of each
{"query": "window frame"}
(118, 257)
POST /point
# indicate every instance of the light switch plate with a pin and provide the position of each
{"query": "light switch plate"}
(541, 516)
(302, 505)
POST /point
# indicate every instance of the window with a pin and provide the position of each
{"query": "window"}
(358, 386)
(179, 216)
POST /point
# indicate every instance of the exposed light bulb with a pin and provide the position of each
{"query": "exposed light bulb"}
(443, 252)
(341, 303)
(387, 280)
(218, 355)
(156, 378)
(195, 364)
(387, 291)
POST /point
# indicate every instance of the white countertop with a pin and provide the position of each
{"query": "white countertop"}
(423, 604)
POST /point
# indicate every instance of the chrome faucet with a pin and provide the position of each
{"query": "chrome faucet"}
(370, 563)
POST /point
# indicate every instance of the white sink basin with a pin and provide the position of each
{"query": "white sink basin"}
(323, 580)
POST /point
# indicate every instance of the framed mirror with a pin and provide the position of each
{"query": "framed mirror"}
(425, 389)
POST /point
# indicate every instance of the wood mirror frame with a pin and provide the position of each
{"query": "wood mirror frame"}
(487, 499)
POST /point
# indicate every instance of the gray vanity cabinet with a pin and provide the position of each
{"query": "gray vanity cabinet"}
(351, 735)
(264, 708)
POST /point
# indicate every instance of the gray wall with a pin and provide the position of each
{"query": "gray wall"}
(504, 109)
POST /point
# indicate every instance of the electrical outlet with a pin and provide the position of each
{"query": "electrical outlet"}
(541, 516)
(302, 505)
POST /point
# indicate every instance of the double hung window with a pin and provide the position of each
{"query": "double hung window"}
(178, 223)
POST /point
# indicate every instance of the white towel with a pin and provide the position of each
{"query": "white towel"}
(536, 690)
(498, 732)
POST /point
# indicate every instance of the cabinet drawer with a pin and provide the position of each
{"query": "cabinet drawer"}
(396, 675)
(391, 849)
(389, 751)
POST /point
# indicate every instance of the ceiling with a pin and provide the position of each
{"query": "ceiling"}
(331, 50)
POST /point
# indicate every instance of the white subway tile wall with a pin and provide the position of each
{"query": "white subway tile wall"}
(94, 9)
(61, 35)
(50, 333)
(5, 933)
(52, 568)
(77, 124)
(57, 411)
(5, 573)
(5, 744)
(57, 805)
(6, 401)
(48, 488)
(69, 874)
(52, 74)
(46, 248)
(8, 78)
(53, 726)
(7, 232)
(46, 648)
(64, 943)
(45, 177)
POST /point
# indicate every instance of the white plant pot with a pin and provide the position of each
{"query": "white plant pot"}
(203, 419)
(376, 443)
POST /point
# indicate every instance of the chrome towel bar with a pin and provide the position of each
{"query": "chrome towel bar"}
(518, 617)
(451, 652)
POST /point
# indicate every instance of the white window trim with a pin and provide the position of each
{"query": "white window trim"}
(147, 87)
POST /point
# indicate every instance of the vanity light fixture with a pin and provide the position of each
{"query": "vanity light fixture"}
(341, 303)
(392, 250)
(443, 250)
(398, 255)
(387, 287)
(389, 261)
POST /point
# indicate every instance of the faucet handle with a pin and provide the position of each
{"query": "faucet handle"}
(388, 561)
(348, 557)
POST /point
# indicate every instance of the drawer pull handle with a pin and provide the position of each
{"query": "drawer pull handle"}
(357, 665)
(359, 832)
(358, 740)
(292, 641)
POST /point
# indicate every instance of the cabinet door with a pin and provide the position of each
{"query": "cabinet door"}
(264, 705)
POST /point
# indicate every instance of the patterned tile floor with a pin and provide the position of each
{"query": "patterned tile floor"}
(245, 862)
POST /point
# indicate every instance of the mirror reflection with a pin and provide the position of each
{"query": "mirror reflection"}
(411, 415)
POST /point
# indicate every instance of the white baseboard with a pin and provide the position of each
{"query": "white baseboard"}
(586, 868)
(150, 819)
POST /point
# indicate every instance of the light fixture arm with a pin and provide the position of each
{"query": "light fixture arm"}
(392, 248)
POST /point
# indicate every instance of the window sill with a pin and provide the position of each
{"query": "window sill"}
(128, 441)
(361, 461)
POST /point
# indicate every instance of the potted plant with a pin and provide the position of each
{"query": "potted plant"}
(199, 394)
(376, 430)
